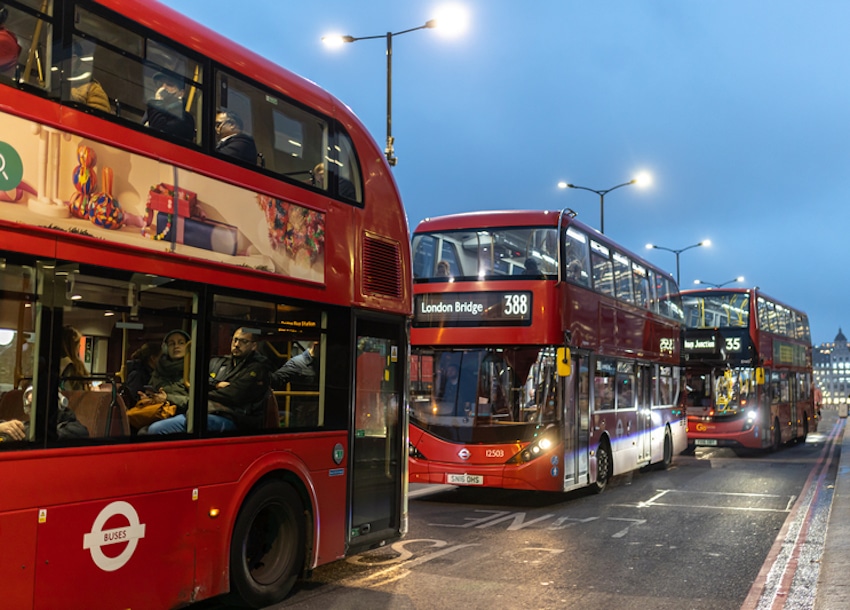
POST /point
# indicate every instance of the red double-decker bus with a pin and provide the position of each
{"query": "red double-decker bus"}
(748, 363)
(543, 355)
(167, 197)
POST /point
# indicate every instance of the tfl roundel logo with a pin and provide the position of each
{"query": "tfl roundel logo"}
(128, 535)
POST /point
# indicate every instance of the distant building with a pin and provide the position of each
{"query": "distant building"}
(831, 362)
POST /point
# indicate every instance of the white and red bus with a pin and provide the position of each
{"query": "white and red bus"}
(543, 355)
(748, 364)
(119, 217)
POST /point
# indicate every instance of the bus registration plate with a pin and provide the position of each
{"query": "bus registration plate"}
(706, 442)
(464, 479)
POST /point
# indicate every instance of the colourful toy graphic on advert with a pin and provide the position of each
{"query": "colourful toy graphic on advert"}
(85, 182)
(104, 210)
(298, 231)
(12, 186)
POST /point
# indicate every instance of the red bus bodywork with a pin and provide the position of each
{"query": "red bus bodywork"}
(749, 374)
(550, 444)
(151, 524)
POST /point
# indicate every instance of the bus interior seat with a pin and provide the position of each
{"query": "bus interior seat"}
(97, 411)
(272, 420)
(12, 405)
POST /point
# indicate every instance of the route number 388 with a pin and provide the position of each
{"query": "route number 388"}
(516, 305)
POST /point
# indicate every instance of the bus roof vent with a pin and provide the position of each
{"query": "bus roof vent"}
(381, 267)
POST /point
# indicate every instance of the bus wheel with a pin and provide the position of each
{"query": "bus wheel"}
(604, 465)
(668, 451)
(267, 550)
(777, 436)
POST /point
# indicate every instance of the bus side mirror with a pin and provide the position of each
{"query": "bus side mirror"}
(565, 365)
(760, 376)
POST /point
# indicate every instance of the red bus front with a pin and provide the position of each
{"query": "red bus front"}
(748, 370)
(531, 367)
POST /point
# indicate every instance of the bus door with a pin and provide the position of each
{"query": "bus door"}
(796, 425)
(644, 413)
(377, 459)
(576, 422)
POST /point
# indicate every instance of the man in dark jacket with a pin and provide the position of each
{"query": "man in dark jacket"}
(302, 371)
(233, 142)
(239, 390)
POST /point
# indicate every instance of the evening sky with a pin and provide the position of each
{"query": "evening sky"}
(737, 108)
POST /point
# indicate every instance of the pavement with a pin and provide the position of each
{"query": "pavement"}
(833, 587)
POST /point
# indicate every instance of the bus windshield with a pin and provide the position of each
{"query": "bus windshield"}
(725, 392)
(483, 253)
(717, 310)
(484, 395)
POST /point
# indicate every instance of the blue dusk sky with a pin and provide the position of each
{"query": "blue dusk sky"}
(738, 109)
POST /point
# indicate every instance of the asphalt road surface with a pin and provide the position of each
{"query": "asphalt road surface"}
(713, 532)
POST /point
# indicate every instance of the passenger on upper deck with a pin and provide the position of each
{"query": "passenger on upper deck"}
(443, 269)
(84, 88)
(165, 111)
(232, 140)
(345, 187)
(531, 267)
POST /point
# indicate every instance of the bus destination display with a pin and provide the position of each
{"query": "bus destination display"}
(467, 308)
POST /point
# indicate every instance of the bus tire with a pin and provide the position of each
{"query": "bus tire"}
(268, 545)
(604, 467)
(667, 460)
(777, 436)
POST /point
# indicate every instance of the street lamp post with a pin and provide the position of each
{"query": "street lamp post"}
(640, 180)
(336, 40)
(678, 251)
(452, 20)
(740, 278)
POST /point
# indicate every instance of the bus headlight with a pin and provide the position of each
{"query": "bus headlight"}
(413, 452)
(750, 419)
(539, 447)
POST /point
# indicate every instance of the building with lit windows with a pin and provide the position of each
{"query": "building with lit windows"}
(831, 362)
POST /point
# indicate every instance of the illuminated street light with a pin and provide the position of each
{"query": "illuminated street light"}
(678, 251)
(642, 179)
(451, 20)
(740, 278)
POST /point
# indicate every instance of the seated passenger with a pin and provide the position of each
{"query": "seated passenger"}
(62, 423)
(84, 88)
(139, 368)
(239, 386)
(443, 269)
(12, 430)
(344, 185)
(232, 140)
(72, 370)
(166, 394)
(302, 371)
(531, 267)
(165, 112)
